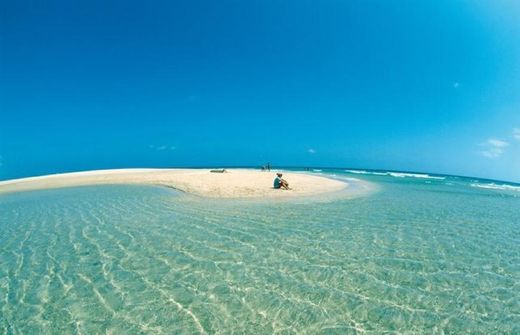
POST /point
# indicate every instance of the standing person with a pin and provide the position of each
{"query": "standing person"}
(269, 167)
(280, 183)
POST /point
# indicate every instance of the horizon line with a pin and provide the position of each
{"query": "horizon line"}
(273, 167)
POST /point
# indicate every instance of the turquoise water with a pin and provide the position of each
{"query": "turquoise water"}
(423, 254)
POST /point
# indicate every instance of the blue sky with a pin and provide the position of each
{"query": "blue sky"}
(409, 85)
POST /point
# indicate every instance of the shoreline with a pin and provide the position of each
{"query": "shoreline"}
(235, 183)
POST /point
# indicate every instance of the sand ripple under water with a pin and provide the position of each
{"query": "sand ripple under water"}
(416, 258)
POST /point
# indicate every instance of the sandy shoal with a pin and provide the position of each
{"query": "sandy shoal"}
(235, 183)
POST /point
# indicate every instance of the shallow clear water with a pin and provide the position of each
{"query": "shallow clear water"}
(421, 255)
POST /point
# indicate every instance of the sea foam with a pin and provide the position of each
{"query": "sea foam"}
(493, 186)
(397, 174)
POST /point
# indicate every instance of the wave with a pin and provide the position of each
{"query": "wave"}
(397, 174)
(493, 186)
(367, 172)
(414, 175)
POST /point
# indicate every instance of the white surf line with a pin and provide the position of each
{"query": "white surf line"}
(396, 174)
(493, 186)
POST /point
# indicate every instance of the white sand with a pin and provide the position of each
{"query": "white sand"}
(233, 184)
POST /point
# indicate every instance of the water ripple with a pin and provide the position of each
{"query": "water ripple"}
(129, 259)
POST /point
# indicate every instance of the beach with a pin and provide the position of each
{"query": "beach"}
(234, 183)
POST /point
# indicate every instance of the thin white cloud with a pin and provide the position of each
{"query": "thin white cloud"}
(494, 148)
(497, 143)
(311, 151)
(516, 134)
(162, 147)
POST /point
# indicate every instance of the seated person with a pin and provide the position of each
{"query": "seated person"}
(280, 183)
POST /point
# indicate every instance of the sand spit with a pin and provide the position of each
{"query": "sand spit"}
(235, 183)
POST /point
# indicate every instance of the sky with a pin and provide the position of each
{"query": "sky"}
(428, 86)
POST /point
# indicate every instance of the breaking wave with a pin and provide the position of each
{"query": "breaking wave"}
(493, 186)
(396, 174)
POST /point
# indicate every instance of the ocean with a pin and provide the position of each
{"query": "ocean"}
(422, 254)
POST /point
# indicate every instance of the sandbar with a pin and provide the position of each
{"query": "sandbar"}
(234, 183)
